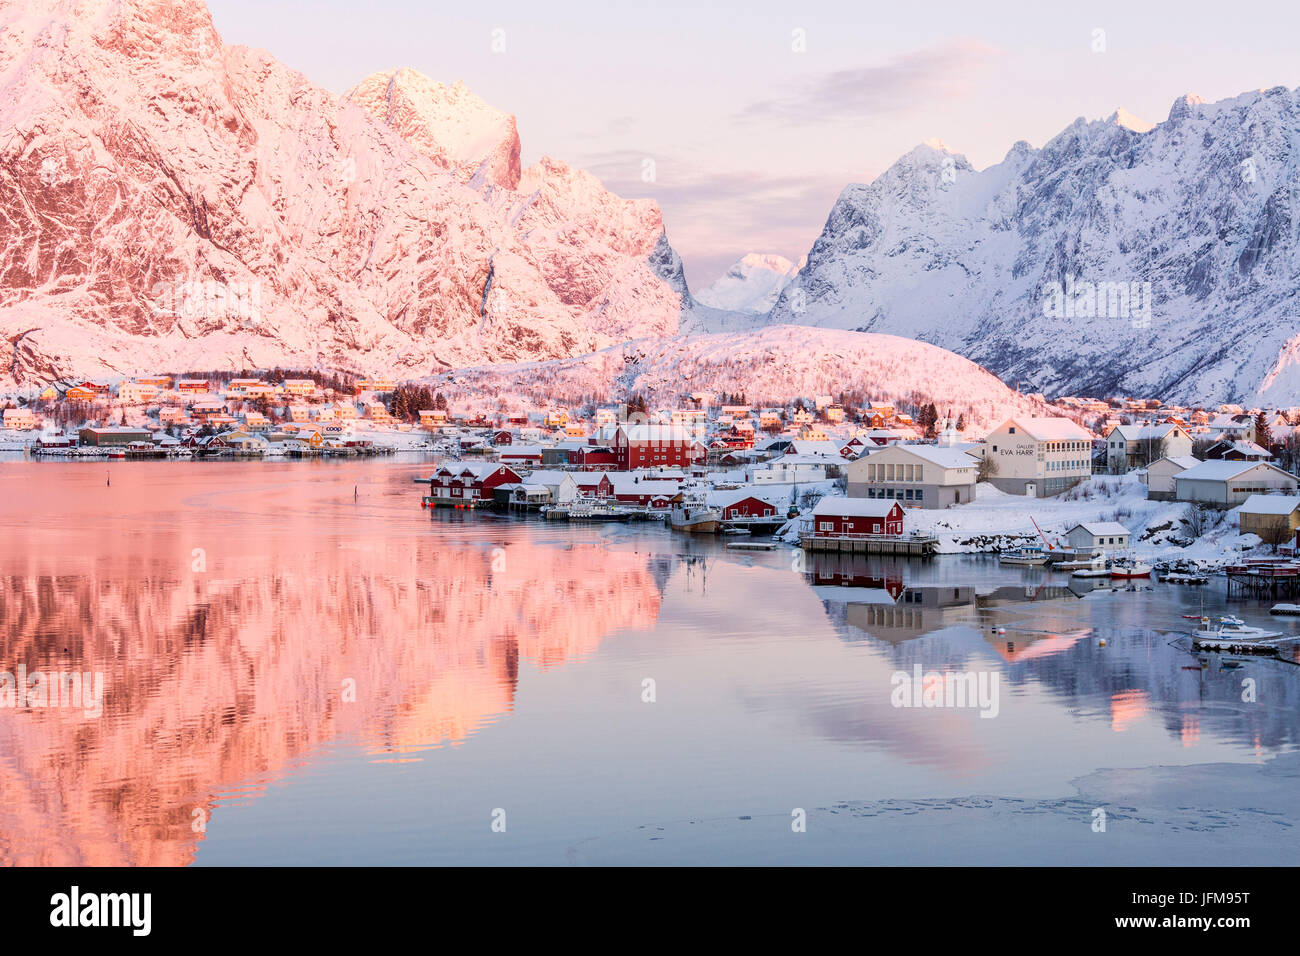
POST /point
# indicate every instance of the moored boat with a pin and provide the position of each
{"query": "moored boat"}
(694, 517)
(1023, 556)
(1130, 569)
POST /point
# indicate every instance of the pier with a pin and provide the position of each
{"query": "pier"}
(1259, 579)
(912, 545)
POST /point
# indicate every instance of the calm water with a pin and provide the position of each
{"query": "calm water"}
(301, 665)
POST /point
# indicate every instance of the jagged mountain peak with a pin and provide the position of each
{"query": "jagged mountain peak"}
(1122, 117)
(449, 124)
(172, 203)
(1181, 241)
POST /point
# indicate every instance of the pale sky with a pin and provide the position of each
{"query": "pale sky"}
(751, 141)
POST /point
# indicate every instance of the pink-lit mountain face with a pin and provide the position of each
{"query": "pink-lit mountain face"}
(167, 202)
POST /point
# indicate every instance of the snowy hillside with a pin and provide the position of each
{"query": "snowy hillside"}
(772, 365)
(170, 202)
(1121, 257)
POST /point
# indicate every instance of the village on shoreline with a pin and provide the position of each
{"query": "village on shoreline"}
(1183, 489)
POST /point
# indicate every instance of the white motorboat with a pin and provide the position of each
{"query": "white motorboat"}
(1023, 556)
(1230, 630)
(1096, 568)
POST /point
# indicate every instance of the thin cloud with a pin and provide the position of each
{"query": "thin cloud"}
(942, 71)
(713, 218)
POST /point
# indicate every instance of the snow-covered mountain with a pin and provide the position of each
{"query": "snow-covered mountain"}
(1121, 257)
(770, 365)
(168, 202)
(751, 285)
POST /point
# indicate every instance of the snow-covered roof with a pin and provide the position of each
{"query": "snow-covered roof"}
(943, 456)
(1051, 429)
(1182, 461)
(728, 497)
(1248, 448)
(1102, 528)
(854, 507)
(1217, 470)
(825, 449)
(1270, 504)
(1144, 432)
(628, 484)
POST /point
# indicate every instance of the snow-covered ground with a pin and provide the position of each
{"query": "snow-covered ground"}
(997, 520)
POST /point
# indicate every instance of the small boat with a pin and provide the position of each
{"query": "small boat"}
(1231, 629)
(1023, 556)
(1130, 569)
(1177, 577)
(1291, 610)
(694, 517)
(1096, 568)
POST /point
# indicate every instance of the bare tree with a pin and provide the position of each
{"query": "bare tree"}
(1199, 519)
(1149, 450)
(1275, 532)
(986, 468)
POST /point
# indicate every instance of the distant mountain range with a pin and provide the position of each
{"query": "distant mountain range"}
(169, 202)
(1122, 257)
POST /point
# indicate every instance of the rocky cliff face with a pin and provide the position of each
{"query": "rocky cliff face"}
(170, 202)
(1119, 257)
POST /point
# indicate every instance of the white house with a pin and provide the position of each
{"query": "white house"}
(918, 476)
(789, 469)
(19, 419)
(1226, 484)
(1132, 446)
(1038, 457)
(1098, 536)
(1159, 477)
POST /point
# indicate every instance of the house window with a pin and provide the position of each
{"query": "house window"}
(1011, 430)
(825, 525)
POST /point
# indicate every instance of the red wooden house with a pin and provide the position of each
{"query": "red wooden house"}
(598, 459)
(594, 485)
(749, 507)
(840, 517)
(463, 484)
(655, 446)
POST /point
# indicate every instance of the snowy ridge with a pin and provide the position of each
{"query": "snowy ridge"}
(1205, 207)
(771, 365)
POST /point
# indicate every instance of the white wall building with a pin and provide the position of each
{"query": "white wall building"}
(1039, 457)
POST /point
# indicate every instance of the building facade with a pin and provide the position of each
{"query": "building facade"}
(1038, 457)
(918, 476)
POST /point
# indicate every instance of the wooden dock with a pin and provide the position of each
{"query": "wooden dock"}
(909, 545)
(1259, 579)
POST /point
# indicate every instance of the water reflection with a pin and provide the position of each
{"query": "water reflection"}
(1105, 652)
(237, 673)
(254, 621)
